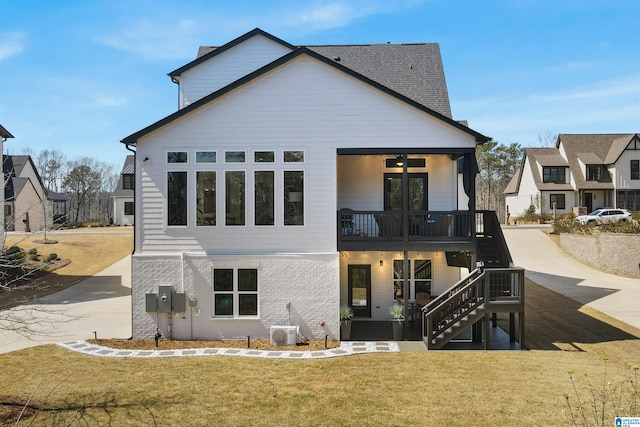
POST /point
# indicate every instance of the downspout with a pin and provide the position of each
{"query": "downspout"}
(405, 232)
(135, 187)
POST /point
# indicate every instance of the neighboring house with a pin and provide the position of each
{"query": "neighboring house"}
(27, 201)
(123, 196)
(4, 135)
(295, 179)
(587, 171)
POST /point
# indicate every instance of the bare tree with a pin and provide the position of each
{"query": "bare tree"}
(51, 165)
(89, 182)
(547, 139)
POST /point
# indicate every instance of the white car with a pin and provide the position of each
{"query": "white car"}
(600, 216)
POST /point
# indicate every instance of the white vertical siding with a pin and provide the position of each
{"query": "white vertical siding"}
(227, 67)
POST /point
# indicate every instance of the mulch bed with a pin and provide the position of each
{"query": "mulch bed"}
(256, 344)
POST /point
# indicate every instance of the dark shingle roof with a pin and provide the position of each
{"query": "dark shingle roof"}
(592, 149)
(5, 133)
(412, 70)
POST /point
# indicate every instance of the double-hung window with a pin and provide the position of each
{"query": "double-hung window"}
(235, 292)
(558, 199)
(128, 181)
(129, 208)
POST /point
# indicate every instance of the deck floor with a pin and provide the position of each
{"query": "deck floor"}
(372, 330)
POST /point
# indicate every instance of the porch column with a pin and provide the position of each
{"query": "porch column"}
(405, 293)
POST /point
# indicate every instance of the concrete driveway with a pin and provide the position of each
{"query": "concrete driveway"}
(548, 265)
(100, 304)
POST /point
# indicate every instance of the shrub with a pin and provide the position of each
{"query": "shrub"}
(51, 257)
(14, 255)
(33, 251)
(602, 401)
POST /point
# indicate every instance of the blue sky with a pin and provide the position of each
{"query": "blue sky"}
(80, 75)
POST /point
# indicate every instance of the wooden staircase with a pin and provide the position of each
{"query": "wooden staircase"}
(494, 287)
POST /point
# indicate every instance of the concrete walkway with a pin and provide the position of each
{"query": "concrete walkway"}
(548, 265)
(98, 306)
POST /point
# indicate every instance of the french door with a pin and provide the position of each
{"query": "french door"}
(417, 191)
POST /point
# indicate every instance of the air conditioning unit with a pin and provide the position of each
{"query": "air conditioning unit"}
(284, 335)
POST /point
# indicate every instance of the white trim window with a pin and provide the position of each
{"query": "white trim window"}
(235, 292)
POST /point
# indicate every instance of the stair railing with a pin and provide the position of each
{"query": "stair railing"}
(453, 304)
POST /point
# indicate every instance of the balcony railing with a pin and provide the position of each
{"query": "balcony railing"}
(414, 226)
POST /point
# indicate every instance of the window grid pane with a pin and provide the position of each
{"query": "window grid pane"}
(235, 198)
(264, 157)
(206, 157)
(177, 157)
(176, 198)
(264, 198)
(293, 198)
(206, 198)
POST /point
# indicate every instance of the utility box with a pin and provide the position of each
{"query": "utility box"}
(151, 303)
(179, 302)
(164, 299)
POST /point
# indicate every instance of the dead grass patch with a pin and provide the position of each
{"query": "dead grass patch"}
(83, 254)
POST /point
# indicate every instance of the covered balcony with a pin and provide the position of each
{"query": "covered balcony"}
(406, 199)
(397, 230)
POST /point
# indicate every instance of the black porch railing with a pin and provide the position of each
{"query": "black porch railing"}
(395, 226)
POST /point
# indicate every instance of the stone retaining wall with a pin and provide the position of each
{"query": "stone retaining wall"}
(610, 252)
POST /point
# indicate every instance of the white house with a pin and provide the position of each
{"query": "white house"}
(123, 195)
(583, 170)
(295, 179)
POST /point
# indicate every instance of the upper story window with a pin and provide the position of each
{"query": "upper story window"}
(554, 174)
(293, 197)
(206, 198)
(293, 156)
(177, 157)
(234, 156)
(235, 204)
(264, 197)
(635, 169)
(177, 198)
(128, 181)
(594, 172)
(206, 157)
(264, 157)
